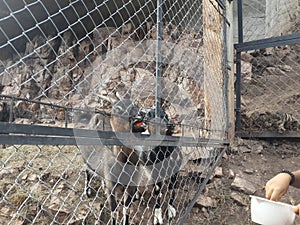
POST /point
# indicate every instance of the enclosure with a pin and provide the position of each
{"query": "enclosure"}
(63, 66)
(267, 68)
(68, 67)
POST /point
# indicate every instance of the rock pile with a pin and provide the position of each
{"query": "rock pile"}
(110, 62)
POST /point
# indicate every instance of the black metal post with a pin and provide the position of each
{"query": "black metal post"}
(225, 70)
(158, 65)
(11, 110)
(239, 68)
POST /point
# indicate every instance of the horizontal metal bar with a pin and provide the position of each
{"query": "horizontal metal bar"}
(35, 140)
(289, 135)
(268, 42)
(71, 132)
(46, 140)
(35, 130)
(22, 134)
(53, 105)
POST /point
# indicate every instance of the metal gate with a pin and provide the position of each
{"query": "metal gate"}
(267, 69)
(82, 84)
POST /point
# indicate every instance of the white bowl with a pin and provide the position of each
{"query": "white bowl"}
(267, 212)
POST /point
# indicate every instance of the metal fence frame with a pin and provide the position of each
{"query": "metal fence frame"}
(221, 4)
(18, 134)
(242, 46)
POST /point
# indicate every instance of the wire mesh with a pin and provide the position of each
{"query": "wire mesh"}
(96, 66)
(269, 93)
(270, 69)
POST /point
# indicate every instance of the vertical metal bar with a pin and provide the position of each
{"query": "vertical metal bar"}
(158, 64)
(103, 122)
(66, 117)
(239, 67)
(225, 68)
(240, 22)
(11, 109)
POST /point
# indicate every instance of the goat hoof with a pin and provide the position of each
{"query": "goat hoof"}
(158, 218)
(138, 196)
(171, 211)
(89, 192)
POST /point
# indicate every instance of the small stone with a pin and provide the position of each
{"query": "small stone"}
(225, 156)
(259, 148)
(244, 185)
(249, 171)
(246, 57)
(231, 174)
(244, 149)
(234, 149)
(206, 202)
(239, 198)
(246, 68)
(219, 172)
(205, 212)
(32, 177)
(286, 68)
(195, 210)
(7, 171)
(6, 210)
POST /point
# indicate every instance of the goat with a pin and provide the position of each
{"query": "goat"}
(116, 165)
(161, 162)
(121, 167)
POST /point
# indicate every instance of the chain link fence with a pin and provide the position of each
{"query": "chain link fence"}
(111, 111)
(268, 69)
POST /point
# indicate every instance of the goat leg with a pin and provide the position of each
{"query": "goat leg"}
(88, 190)
(171, 187)
(128, 199)
(113, 205)
(158, 217)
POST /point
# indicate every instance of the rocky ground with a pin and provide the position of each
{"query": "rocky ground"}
(244, 170)
(270, 90)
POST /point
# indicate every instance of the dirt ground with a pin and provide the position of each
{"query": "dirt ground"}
(255, 161)
(48, 182)
(45, 185)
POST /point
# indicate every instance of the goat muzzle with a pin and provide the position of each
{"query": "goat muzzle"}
(138, 125)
